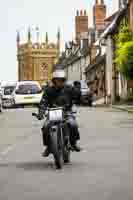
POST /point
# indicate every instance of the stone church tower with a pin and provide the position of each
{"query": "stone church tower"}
(99, 15)
(36, 60)
(81, 24)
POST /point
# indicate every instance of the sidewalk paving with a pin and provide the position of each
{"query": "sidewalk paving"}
(124, 107)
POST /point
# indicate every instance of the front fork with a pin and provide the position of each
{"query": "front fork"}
(62, 135)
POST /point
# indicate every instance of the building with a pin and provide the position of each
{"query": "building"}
(81, 24)
(116, 83)
(75, 59)
(99, 15)
(77, 55)
(36, 60)
(130, 14)
(78, 59)
(95, 72)
(108, 83)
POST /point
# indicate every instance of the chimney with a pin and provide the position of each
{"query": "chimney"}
(81, 24)
(99, 15)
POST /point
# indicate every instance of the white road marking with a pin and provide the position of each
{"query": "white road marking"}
(7, 150)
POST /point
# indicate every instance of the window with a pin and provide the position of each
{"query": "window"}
(84, 85)
(8, 90)
(28, 89)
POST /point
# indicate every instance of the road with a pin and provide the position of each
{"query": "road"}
(102, 171)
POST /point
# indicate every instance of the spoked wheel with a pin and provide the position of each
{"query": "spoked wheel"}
(57, 150)
(1, 108)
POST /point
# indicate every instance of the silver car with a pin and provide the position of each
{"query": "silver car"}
(84, 90)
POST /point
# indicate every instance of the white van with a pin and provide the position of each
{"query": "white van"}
(27, 92)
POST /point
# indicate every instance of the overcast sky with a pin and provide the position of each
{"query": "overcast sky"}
(47, 15)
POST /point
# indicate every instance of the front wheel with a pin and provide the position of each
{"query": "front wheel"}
(56, 148)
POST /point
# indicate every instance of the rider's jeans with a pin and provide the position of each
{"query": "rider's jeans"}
(74, 131)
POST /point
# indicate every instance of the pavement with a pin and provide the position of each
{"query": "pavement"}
(124, 107)
(102, 171)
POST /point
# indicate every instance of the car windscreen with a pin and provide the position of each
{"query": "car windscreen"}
(26, 89)
(8, 90)
(84, 85)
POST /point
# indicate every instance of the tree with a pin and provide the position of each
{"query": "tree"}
(124, 35)
(125, 60)
(124, 52)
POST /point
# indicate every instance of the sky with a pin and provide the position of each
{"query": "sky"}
(47, 15)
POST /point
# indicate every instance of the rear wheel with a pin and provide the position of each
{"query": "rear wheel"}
(66, 150)
(66, 155)
(0, 108)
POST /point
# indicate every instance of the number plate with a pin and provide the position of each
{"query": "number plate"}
(28, 97)
(55, 115)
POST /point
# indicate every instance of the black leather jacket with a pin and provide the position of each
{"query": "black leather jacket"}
(60, 97)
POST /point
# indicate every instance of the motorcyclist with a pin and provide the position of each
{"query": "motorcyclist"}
(62, 95)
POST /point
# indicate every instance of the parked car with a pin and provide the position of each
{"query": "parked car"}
(7, 99)
(84, 90)
(27, 92)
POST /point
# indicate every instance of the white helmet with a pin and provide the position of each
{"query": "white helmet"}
(59, 73)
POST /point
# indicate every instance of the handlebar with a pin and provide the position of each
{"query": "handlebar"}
(40, 117)
(74, 112)
(34, 114)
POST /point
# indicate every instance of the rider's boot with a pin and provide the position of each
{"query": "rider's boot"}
(76, 147)
(46, 152)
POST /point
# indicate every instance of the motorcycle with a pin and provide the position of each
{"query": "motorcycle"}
(58, 140)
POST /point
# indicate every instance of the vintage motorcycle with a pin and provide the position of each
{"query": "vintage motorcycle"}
(58, 137)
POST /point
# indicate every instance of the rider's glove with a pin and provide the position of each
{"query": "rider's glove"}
(40, 117)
